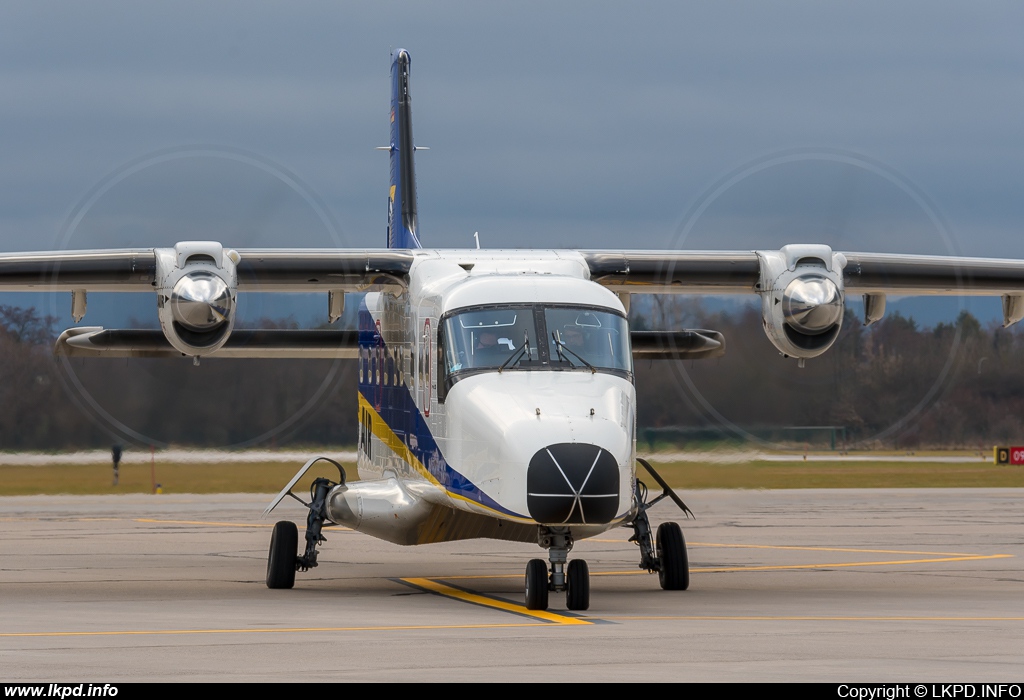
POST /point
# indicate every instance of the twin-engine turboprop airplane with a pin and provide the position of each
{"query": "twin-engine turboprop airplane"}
(496, 393)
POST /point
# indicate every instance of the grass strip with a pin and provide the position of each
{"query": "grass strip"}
(270, 477)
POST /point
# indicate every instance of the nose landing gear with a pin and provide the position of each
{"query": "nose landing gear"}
(574, 579)
(577, 585)
(665, 554)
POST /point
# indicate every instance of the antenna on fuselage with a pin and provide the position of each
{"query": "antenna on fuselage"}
(476, 237)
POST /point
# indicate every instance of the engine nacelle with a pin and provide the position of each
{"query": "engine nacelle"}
(802, 298)
(197, 287)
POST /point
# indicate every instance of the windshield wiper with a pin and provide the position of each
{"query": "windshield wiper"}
(522, 350)
(560, 346)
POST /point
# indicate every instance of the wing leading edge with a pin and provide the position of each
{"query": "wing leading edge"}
(258, 270)
(729, 272)
(636, 271)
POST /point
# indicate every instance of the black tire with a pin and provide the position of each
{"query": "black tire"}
(537, 585)
(577, 588)
(674, 574)
(284, 544)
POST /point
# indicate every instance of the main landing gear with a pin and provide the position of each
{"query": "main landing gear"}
(282, 562)
(665, 554)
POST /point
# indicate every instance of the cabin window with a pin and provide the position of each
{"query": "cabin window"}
(425, 359)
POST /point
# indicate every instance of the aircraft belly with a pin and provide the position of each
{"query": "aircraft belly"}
(395, 512)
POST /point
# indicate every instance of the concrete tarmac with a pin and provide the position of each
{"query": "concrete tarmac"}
(809, 585)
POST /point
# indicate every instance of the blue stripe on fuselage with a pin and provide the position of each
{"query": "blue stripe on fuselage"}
(397, 407)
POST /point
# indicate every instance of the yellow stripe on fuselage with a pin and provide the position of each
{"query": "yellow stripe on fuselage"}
(384, 433)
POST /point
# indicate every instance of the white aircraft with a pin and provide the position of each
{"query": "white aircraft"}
(496, 393)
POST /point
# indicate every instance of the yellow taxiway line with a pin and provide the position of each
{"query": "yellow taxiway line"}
(434, 586)
(827, 549)
(269, 630)
(510, 625)
(199, 522)
(935, 558)
(543, 617)
(848, 564)
(815, 618)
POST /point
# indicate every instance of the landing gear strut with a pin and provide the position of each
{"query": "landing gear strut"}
(282, 562)
(667, 554)
(574, 579)
(315, 523)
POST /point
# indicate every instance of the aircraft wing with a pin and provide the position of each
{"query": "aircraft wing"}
(196, 285)
(803, 288)
(880, 273)
(263, 270)
(731, 272)
(101, 271)
(674, 272)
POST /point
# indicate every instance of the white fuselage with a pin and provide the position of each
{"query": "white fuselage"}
(548, 440)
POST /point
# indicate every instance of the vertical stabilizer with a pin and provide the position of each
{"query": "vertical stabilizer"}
(403, 228)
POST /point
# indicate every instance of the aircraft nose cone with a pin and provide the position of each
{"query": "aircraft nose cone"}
(572, 484)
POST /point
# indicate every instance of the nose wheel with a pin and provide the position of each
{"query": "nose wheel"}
(577, 585)
(541, 578)
(537, 585)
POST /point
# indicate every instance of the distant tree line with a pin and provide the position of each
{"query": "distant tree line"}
(890, 385)
(49, 403)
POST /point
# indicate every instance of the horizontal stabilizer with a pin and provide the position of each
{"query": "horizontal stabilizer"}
(93, 341)
(677, 345)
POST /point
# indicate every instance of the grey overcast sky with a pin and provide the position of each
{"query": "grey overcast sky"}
(555, 124)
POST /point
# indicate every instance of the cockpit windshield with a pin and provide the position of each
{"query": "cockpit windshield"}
(488, 337)
(584, 336)
(501, 338)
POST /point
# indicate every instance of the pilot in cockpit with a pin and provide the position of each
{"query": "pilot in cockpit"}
(487, 340)
(573, 338)
(487, 348)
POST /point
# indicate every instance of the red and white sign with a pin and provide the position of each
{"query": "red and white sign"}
(1009, 455)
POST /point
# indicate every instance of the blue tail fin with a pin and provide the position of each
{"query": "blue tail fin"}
(402, 224)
